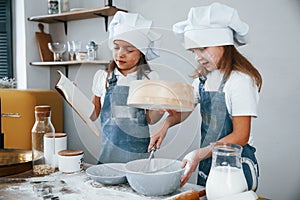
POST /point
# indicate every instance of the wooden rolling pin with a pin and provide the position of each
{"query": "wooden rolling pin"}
(189, 195)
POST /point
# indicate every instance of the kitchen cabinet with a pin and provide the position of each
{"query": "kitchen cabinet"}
(18, 118)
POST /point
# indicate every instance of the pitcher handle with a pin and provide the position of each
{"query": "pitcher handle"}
(253, 171)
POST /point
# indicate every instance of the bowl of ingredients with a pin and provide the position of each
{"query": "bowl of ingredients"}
(154, 177)
(108, 174)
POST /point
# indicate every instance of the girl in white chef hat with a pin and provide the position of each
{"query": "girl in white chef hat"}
(125, 131)
(226, 85)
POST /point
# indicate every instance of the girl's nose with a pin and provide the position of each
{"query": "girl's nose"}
(198, 57)
(120, 52)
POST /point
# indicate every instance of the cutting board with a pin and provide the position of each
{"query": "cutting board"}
(43, 39)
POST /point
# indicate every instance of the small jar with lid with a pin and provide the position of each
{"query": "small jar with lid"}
(53, 7)
(43, 125)
(64, 6)
(60, 144)
(70, 161)
(91, 50)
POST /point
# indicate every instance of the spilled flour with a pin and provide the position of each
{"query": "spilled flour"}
(75, 186)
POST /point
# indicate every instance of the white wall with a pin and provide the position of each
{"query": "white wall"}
(274, 50)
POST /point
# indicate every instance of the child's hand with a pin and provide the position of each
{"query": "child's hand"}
(171, 112)
(158, 136)
(190, 162)
(156, 139)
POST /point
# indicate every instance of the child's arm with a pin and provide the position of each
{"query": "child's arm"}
(173, 119)
(97, 108)
(154, 116)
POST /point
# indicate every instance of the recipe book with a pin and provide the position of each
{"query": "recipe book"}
(77, 100)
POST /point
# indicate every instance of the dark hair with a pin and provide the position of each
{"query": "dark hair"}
(143, 68)
(233, 60)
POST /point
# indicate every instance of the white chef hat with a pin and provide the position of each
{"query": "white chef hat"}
(213, 25)
(135, 29)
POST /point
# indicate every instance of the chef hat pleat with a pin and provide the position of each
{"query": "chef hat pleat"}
(213, 25)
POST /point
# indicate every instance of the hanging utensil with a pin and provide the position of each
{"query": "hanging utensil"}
(43, 39)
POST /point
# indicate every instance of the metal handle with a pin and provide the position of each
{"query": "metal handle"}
(253, 172)
(153, 149)
(15, 115)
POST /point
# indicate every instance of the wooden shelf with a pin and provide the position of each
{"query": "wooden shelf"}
(77, 15)
(68, 63)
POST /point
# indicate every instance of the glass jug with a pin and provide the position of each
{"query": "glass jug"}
(226, 175)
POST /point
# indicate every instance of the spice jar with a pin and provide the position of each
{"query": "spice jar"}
(64, 6)
(60, 144)
(43, 164)
(70, 160)
(53, 6)
(91, 50)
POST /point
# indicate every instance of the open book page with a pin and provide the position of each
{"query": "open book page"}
(78, 101)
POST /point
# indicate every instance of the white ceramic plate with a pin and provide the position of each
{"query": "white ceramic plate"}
(108, 174)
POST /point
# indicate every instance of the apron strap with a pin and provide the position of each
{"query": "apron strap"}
(139, 75)
(113, 80)
(202, 80)
(221, 87)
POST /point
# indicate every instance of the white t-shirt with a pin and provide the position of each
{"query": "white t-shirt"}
(99, 81)
(241, 93)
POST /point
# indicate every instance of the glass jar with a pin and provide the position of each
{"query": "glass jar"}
(53, 7)
(43, 163)
(91, 50)
(60, 144)
(64, 6)
(70, 161)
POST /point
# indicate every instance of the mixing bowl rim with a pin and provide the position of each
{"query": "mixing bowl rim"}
(103, 176)
(152, 173)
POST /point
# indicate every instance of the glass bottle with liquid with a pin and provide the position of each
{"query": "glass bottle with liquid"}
(43, 160)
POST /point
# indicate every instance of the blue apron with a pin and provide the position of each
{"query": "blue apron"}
(216, 124)
(125, 131)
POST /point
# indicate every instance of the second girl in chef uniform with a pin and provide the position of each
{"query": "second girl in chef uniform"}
(226, 85)
(125, 131)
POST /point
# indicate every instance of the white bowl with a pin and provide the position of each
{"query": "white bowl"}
(108, 174)
(163, 177)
